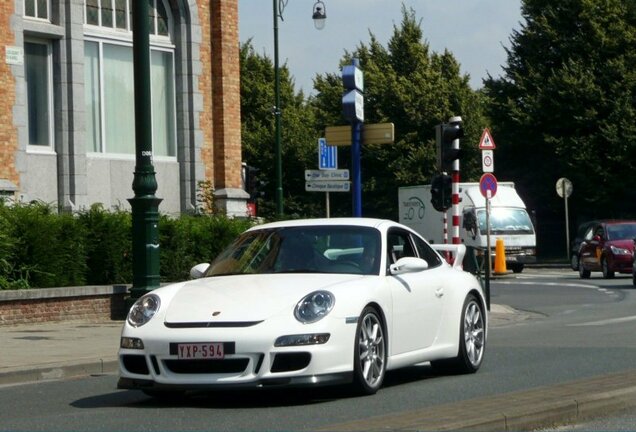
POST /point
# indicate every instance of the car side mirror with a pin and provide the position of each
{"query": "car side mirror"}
(470, 224)
(408, 265)
(199, 270)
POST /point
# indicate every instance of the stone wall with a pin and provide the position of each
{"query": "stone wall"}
(91, 303)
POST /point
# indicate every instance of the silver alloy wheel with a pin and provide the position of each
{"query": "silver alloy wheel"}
(371, 349)
(474, 333)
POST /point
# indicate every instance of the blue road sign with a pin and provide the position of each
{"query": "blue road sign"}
(327, 155)
(488, 185)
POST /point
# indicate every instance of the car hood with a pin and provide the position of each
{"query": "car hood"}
(245, 298)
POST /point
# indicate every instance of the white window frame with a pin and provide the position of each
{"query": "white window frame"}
(32, 148)
(114, 36)
(35, 5)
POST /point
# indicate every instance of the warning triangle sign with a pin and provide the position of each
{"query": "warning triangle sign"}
(486, 142)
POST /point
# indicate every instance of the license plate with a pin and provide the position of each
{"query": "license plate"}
(193, 351)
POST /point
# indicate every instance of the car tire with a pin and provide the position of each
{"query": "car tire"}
(574, 262)
(472, 340)
(583, 272)
(516, 268)
(607, 273)
(634, 278)
(369, 352)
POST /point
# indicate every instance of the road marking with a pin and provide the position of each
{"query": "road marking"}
(559, 284)
(605, 322)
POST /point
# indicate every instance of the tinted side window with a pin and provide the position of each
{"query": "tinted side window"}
(399, 245)
(426, 252)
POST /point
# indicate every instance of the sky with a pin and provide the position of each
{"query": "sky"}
(474, 31)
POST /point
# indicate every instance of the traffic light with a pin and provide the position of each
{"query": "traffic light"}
(445, 134)
(441, 191)
(253, 185)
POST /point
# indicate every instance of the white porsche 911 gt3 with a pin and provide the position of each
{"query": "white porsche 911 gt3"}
(308, 302)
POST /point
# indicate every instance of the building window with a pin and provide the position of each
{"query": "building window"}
(36, 9)
(117, 14)
(37, 65)
(109, 81)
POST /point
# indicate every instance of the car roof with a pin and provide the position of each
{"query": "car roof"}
(616, 221)
(355, 221)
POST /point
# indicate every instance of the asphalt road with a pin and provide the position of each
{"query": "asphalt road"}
(569, 330)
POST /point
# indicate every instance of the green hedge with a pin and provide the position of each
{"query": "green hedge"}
(40, 248)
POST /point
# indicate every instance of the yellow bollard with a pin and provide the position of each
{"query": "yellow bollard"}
(500, 257)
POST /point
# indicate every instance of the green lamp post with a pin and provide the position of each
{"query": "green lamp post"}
(145, 205)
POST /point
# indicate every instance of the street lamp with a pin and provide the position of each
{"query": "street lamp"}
(319, 16)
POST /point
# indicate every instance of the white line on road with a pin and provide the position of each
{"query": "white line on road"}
(605, 322)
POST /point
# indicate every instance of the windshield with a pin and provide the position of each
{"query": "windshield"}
(621, 231)
(505, 221)
(307, 249)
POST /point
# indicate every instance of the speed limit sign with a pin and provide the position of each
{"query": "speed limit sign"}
(487, 161)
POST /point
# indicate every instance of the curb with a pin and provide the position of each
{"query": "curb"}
(59, 371)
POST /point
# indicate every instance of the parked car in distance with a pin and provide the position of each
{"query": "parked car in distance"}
(607, 247)
(634, 264)
(575, 244)
(307, 303)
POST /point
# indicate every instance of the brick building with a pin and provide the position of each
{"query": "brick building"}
(67, 102)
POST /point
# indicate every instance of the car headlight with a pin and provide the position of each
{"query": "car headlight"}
(314, 306)
(620, 251)
(143, 310)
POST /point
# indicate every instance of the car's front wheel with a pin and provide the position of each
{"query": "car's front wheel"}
(370, 352)
(472, 340)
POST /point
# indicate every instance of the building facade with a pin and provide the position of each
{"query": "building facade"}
(67, 102)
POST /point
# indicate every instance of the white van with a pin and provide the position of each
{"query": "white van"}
(509, 220)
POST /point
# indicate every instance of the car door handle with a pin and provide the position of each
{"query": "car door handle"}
(439, 292)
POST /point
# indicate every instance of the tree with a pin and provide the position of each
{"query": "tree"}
(299, 136)
(566, 106)
(415, 89)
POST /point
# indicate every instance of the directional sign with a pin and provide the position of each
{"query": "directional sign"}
(328, 186)
(486, 142)
(488, 185)
(327, 155)
(376, 133)
(326, 175)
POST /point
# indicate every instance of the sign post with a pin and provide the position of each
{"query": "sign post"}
(488, 189)
(564, 190)
(353, 109)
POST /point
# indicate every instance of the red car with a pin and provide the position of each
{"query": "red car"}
(607, 246)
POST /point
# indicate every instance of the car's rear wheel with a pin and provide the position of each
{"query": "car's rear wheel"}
(583, 272)
(574, 262)
(370, 352)
(472, 340)
(607, 273)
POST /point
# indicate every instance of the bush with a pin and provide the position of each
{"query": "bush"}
(46, 248)
(108, 245)
(41, 248)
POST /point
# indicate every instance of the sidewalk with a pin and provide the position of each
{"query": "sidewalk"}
(35, 352)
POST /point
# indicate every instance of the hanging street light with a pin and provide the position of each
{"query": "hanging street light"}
(319, 16)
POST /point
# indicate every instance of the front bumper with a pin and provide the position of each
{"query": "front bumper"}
(252, 362)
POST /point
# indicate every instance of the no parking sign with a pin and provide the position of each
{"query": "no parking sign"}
(488, 185)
